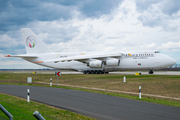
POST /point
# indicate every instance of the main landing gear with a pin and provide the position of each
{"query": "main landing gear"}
(94, 72)
(151, 72)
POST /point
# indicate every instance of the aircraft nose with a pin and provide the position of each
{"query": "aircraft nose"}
(174, 61)
(171, 61)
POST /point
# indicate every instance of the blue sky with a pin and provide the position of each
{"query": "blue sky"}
(90, 25)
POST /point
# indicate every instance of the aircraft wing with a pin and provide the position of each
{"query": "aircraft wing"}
(22, 56)
(85, 58)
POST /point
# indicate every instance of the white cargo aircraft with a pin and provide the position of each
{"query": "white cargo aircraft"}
(91, 63)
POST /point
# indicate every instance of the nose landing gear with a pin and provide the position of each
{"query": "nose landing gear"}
(151, 72)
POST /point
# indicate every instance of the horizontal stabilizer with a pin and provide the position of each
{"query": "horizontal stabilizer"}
(22, 56)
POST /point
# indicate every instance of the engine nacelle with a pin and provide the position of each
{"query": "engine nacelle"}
(95, 64)
(114, 62)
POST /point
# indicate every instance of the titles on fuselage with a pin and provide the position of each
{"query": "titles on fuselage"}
(137, 56)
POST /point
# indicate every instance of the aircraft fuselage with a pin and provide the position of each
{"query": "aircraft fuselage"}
(148, 60)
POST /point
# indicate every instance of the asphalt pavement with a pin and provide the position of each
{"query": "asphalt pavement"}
(94, 105)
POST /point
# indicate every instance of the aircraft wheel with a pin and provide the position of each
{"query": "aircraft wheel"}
(96, 72)
(88, 72)
(92, 72)
(151, 72)
(106, 72)
(84, 72)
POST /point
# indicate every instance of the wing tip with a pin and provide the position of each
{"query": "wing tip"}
(7, 56)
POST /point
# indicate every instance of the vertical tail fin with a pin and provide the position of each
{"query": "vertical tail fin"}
(32, 43)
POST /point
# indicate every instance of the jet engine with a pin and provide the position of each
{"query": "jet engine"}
(114, 62)
(95, 64)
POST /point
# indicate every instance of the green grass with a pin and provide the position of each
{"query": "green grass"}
(164, 85)
(20, 110)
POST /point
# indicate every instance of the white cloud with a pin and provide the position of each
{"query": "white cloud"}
(6, 41)
(10, 63)
(164, 13)
(91, 34)
(151, 46)
(122, 29)
(119, 30)
(174, 46)
(1, 56)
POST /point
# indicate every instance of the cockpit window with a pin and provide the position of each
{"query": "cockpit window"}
(157, 52)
